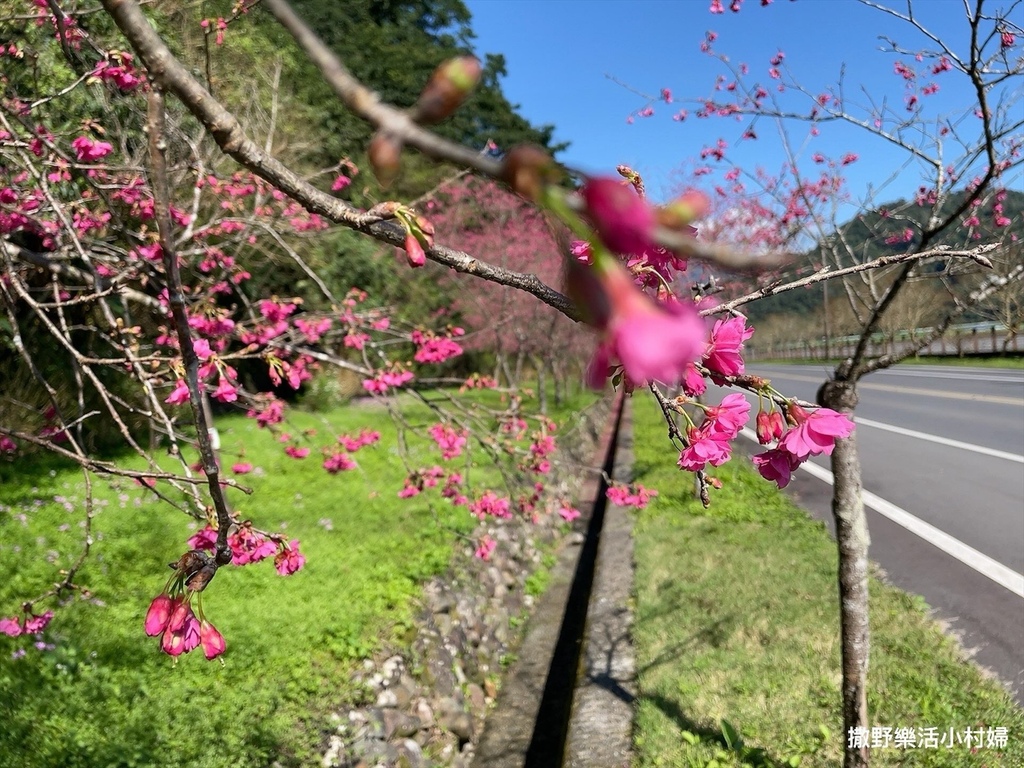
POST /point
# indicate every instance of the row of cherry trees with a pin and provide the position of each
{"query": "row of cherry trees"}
(131, 229)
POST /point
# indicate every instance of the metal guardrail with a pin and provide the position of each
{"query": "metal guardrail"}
(982, 339)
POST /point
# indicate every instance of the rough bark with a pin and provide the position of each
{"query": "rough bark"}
(852, 540)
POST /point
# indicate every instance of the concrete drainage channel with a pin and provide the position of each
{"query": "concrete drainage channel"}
(568, 699)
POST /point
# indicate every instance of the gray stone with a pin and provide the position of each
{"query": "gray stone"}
(399, 724)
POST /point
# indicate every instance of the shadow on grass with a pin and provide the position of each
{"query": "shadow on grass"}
(706, 732)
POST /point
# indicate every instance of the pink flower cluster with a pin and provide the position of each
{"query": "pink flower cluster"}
(339, 461)
(29, 625)
(435, 349)
(89, 151)
(711, 442)
(448, 439)
(251, 546)
(181, 632)
(814, 433)
(491, 504)
(383, 381)
(423, 478)
(633, 495)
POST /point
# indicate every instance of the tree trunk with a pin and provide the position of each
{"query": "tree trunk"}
(852, 541)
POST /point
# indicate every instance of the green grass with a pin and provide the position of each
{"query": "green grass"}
(106, 696)
(737, 620)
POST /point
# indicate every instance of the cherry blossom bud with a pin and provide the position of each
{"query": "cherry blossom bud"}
(764, 430)
(414, 252)
(385, 157)
(447, 88)
(685, 209)
(211, 640)
(623, 220)
(158, 615)
(528, 169)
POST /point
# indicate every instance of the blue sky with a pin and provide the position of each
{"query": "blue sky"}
(562, 55)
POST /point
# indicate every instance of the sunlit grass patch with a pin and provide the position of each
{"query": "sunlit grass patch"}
(737, 628)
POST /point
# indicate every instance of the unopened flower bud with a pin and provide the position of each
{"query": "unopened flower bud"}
(527, 169)
(414, 251)
(685, 209)
(795, 415)
(764, 430)
(426, 230)
(385, 157)
(447, 88)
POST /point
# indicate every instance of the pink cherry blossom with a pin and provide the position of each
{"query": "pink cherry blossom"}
(815, 433)
(179, 395)
(623, 220)
(568, 513)
(289, 559)
(723, 353)
(653, 341)
(706, 447)
(242, 468)
(10, 626)
(728, 417)
(225, 392)
(35, 624)
(89, 151)
(777, 465)
(339, 462)
(296, 452)
(486, 547)
(770, 426)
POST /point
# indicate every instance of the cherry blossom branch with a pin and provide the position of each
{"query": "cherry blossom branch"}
(227, 132)
(827, 273)
(989, 286)
(161, 198)
(368, 105)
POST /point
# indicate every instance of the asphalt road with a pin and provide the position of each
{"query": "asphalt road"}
(946, 445)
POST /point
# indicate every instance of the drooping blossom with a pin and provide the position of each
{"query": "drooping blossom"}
(705, 447)
(653, 341)
(289, 559)
(242, 468)
(622, 219)
(249, 546)
(179, 395)
(728, 417)
(568, 513)
(159, 614)
(776, 465)
(723, 353)
(449, 440)
(815, 433)
(339, 462)
(491, 504)
(34, 624)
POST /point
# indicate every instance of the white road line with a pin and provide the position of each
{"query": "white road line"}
(941, 440)
(969, 556)
(1008, 379)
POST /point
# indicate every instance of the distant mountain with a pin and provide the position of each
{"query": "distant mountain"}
(894, 228)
